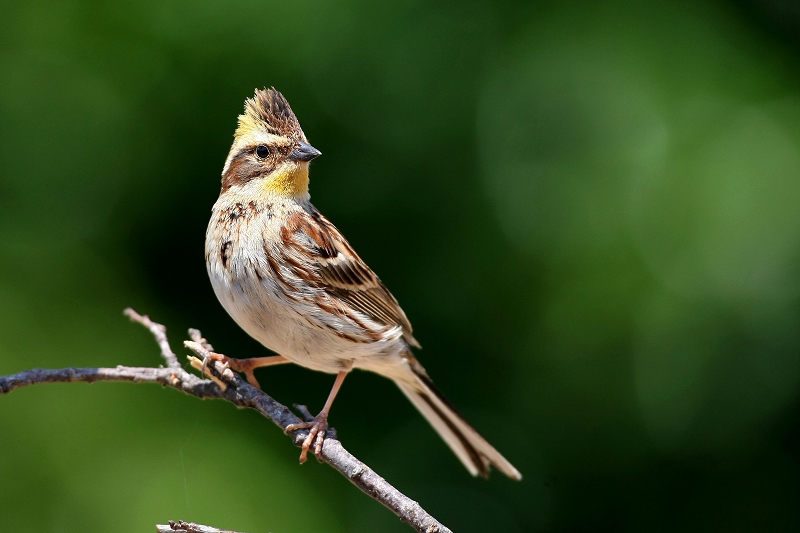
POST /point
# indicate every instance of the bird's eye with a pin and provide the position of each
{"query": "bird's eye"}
(262, 151)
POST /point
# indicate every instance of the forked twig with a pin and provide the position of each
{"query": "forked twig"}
(240, 393)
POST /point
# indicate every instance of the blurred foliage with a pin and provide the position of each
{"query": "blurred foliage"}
(588, 210)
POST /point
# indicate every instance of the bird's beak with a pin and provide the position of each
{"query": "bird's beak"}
(304, 152)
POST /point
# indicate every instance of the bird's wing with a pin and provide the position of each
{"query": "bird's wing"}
(338, 270)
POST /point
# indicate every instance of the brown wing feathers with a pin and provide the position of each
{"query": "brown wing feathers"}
(342, 272)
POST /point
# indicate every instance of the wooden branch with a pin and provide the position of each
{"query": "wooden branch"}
(238, 392)
(189, 527)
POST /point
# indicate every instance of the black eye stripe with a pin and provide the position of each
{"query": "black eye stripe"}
(262, 151)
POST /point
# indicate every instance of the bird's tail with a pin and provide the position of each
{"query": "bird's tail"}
(472, 449)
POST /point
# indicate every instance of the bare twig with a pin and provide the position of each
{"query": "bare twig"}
(241, 394)
(303, 410)
(189, 527)
(197, 337)
(159, 332)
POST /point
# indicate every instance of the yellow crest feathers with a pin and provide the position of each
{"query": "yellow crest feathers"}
(269, 111)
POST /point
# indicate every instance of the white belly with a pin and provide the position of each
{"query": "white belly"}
(292, 328)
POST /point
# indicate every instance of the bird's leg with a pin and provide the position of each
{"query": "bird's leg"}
(316, 428)
(246, 365)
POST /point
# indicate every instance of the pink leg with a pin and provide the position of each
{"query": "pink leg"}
(248, 365)
(318, 426)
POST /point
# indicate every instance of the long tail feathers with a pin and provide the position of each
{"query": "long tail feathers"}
(472, 449)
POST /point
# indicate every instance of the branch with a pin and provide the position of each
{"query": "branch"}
(238, 392)
(189, 527)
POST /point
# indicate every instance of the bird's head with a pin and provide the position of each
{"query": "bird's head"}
(270, 151)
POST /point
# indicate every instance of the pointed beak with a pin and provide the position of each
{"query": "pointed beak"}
(304, 152)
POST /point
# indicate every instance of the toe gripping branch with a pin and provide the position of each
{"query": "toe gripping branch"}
(317, 426)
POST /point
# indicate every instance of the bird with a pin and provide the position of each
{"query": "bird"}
(289, 279)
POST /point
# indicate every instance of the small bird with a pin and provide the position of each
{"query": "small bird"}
(291, 280)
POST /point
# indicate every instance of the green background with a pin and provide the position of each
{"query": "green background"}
(589, 211)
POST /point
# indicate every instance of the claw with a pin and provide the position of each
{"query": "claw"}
(246, 366)
(212, 356)
(316, 427)
(316, 434)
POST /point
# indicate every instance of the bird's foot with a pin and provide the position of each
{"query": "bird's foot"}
(316, 434)
(246, 366)
(211, 357)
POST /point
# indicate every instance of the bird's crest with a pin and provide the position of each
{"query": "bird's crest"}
(269, 111)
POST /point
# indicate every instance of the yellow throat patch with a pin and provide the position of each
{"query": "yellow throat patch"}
(289, 179)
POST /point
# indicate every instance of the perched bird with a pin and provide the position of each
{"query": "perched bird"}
(293, 282)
